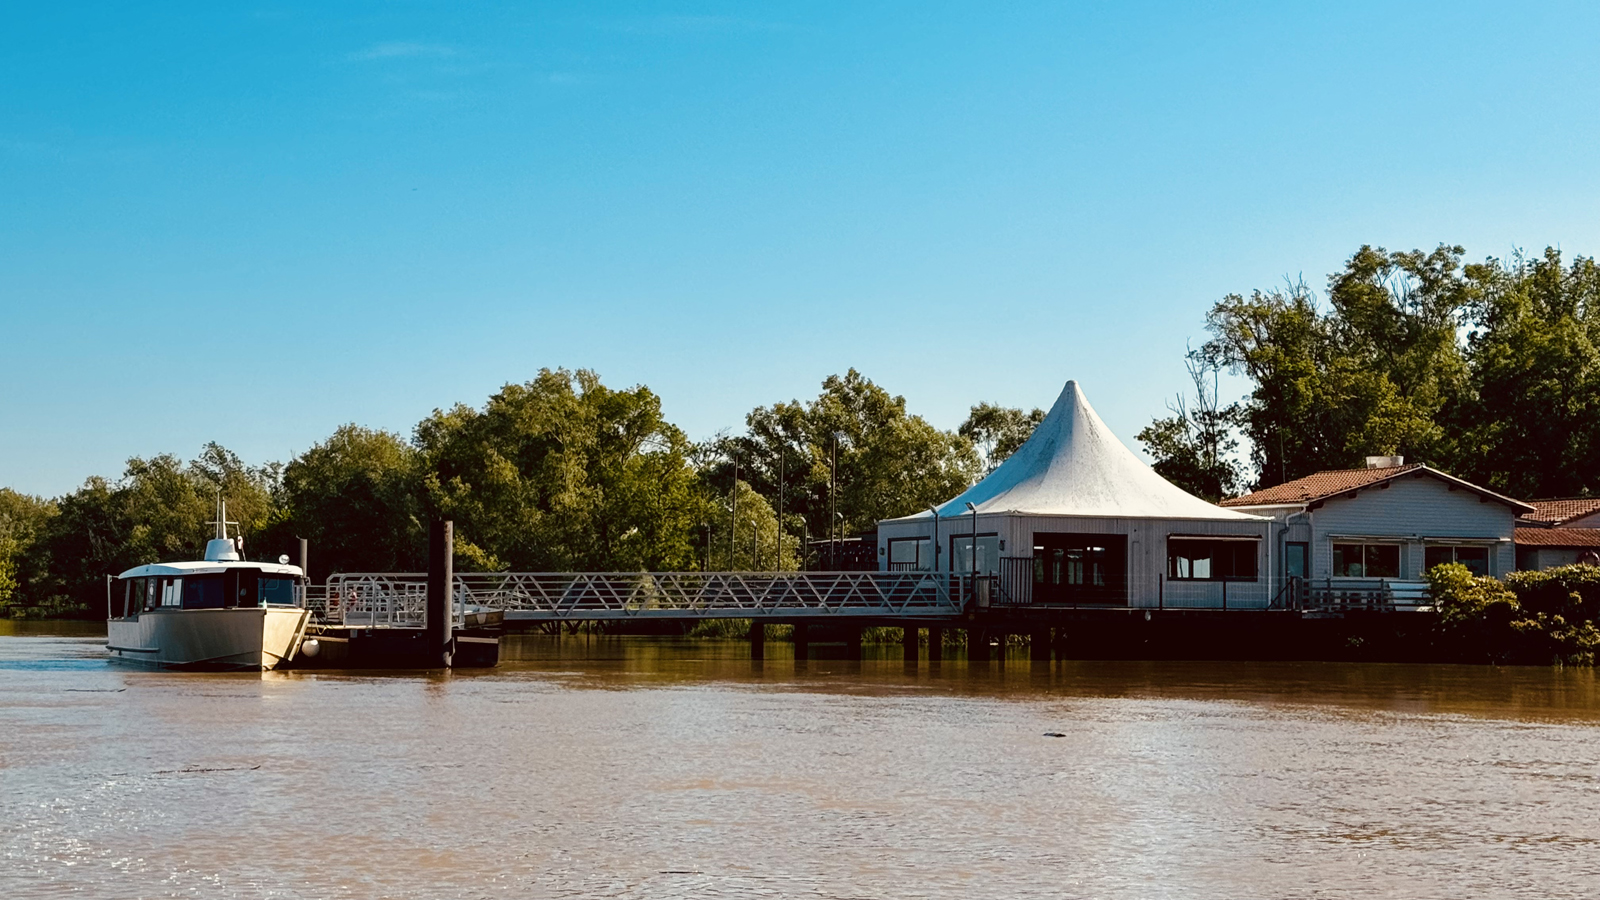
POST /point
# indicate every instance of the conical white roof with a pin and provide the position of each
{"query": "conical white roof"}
(1074, 466)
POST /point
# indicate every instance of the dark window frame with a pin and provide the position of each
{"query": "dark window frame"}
(1228, 572)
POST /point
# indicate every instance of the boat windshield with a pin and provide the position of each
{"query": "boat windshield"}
(276, 590)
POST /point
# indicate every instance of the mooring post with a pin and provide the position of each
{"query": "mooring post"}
(1039, 645)
(758, 639)
(305, 560)
(908, 644)
(441, 584)
(802, 642)
(935, 645)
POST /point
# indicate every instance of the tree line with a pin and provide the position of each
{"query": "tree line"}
(560, 473)
(1490, 371)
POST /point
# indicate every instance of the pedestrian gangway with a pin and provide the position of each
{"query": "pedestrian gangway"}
(395, 599)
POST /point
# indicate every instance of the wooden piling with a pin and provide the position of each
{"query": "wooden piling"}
(935, 645)
(908, 644)
(977, 645)
(852, 643)
(802, 642)
(438, 642)
(758, 639)
(1039, 645)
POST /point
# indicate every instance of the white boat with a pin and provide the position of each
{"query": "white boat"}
(222, 612)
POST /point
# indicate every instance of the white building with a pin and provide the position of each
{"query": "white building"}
(1074, 517)
(1385, 523)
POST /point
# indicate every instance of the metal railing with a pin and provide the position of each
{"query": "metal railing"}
(1340, 595)
(395, 599)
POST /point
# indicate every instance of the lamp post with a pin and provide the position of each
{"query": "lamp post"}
(839, 539)
(974, 551)
(935, 511)
(780, 506)
(733, 511)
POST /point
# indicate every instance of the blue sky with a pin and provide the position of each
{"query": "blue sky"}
(251, 225)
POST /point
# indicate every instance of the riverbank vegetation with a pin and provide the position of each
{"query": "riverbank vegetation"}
(1489, 370)
(1548, 617)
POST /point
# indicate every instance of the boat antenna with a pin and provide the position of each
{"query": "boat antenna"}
(221, 520)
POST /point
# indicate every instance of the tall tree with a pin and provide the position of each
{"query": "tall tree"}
(1368, 376)
(1194, 447)
(1529, 422)
(997, 431)
(357, 500)
(563, 473)
(854, 448)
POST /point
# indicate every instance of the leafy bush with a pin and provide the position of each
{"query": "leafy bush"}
(1531, 617)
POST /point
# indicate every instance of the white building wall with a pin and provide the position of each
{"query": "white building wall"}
(1147, 551)
(1414, 510)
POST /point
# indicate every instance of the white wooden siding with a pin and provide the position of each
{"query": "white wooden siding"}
(1411, 511)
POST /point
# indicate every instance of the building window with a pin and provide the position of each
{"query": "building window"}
(1366, 560)
(1476, 559)
(1203, 559)
(911, 555)
(988, 554)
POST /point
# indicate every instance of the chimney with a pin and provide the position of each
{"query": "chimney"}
(1385, 462)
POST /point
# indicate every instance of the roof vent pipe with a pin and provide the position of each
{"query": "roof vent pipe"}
(1385, 462)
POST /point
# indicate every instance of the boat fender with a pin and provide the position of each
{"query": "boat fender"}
(310, 647)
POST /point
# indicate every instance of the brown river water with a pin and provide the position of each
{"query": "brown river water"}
(636, 767)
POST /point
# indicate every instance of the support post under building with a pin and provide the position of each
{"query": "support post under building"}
(758, 639)
(908, 644)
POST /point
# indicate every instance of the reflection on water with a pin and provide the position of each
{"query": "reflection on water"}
(654, 768)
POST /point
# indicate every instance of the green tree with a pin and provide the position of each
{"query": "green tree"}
(889, 463)
(1529, 422)
(755, 541)
(997, 431)
(24, 520)
(357, 500)
(563, 473)
(1194, 448)
(1369, 376)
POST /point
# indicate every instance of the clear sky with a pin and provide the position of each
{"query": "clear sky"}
(253, 224)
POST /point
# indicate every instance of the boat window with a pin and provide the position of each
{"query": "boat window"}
(171, 590)
(202, 592)
(276, 590)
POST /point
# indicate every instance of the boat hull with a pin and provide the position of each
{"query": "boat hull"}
(248, 638)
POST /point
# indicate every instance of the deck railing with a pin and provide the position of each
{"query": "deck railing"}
(388, 597)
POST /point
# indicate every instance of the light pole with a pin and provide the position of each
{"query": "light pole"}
(780, 506)
(974, 550)
(838, 538)
(733, 511)
(935, 511)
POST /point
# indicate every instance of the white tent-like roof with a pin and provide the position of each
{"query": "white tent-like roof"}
(1074, 466)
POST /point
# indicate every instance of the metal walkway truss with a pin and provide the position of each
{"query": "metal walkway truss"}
(554, 596)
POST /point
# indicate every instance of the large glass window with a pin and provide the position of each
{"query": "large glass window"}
(1207, 559)
(911, 554)
(202, 592)
(988, 554)
(1366, 560)
(276, 590)
(1476, 559)
(171, 591)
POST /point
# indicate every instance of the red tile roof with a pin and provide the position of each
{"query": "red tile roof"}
(1562, 510)
(1319, 486)
(1325, 485)
(1557, 537)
